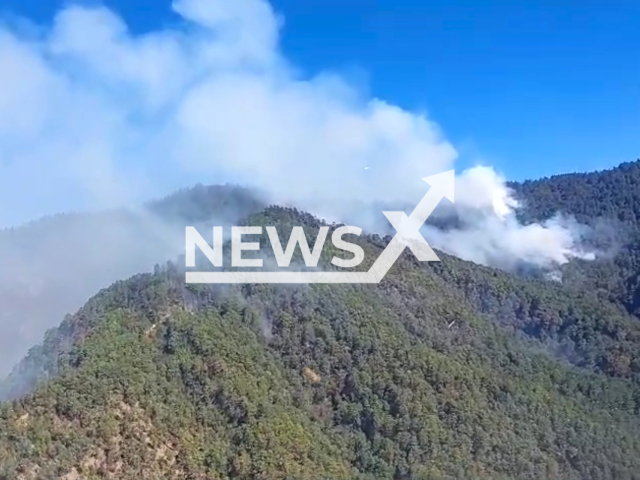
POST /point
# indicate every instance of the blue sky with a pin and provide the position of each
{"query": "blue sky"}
(536, 88)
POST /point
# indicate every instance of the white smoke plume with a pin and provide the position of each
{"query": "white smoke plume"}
(488, 232)
(93, 116)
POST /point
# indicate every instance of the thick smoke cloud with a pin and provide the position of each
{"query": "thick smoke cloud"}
(488, 232)
(92, 116)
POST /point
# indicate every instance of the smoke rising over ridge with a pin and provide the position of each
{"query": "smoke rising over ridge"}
(488, 232)
(92, 116)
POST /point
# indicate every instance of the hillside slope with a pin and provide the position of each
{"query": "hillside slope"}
(609, 201)
(419, 377)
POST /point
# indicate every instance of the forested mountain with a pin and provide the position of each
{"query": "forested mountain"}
(608, 194)
(421, 376)
(444, 370)
(609, 201)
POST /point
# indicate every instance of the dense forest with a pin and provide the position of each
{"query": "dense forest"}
(445, 370)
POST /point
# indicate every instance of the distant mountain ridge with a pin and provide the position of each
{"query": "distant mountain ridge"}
(52, 266)
(612, 193)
